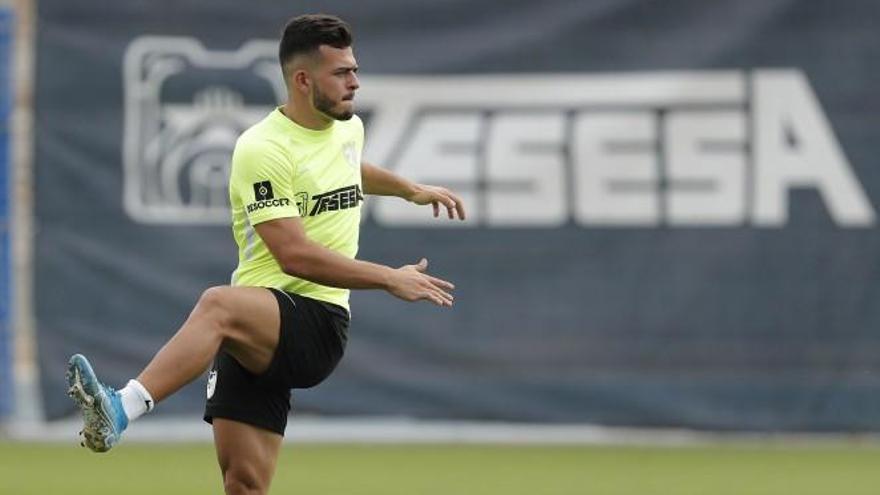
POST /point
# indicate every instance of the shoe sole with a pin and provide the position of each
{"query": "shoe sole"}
(97, 433)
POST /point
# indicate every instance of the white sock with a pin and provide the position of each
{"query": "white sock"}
(135, 400)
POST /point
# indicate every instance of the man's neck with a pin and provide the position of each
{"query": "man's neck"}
(304, 117)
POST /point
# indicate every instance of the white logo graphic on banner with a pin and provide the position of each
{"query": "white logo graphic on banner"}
(687, 148)
(184, 108)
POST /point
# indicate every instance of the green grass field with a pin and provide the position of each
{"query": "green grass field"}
(138, 469)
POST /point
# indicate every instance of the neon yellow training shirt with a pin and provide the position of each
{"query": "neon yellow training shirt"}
(281, 169)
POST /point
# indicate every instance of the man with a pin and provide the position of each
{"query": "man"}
(296, 188)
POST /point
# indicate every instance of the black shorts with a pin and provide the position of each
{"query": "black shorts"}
(311, 342)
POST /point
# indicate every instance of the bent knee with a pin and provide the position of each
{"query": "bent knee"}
(244, 481)
(215, 303)
(216, 296)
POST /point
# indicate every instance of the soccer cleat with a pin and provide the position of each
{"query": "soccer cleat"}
(104, 419)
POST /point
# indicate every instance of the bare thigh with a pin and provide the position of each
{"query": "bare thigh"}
(243, 321)
(247, 456)
(253, 325)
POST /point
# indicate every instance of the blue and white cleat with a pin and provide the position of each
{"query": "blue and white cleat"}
(104, 419)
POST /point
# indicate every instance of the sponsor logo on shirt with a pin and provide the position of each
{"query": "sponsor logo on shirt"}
(265, 198)
(338, 199)
(263, 191)
(269, 203)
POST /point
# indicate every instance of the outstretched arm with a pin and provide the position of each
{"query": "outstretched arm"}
(382, 182)
(301, 257)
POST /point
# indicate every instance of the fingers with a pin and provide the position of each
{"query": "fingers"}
(445, 298)
(453, 204)
(436, 300)
(422, 265)
(459, 206)
(439, 282)
(438, 297)
(436, 283)
(436, 290)
(421, 286)
(449, 203)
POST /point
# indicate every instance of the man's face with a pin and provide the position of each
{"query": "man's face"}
(335, 82)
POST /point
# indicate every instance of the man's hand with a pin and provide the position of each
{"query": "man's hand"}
(436, 196)
(411, 283)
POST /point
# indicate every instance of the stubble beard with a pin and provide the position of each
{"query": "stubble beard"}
(325, 105)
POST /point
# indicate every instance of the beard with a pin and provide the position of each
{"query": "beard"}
(326, 106)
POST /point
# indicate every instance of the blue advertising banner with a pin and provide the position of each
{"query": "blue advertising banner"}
(672, 205)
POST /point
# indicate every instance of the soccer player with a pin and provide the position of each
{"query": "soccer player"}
(296, 189)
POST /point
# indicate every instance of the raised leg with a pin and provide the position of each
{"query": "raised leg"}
(244, 321)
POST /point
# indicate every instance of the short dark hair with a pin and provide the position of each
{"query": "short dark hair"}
(305, 33)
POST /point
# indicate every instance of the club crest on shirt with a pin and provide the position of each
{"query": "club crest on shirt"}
(350, 152)
(302, 203)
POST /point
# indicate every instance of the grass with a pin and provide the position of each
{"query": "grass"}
(756, 469)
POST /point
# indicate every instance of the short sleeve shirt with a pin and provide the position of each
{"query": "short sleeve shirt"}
(280, 170)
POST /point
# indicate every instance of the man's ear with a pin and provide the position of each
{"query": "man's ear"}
(301, 81)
